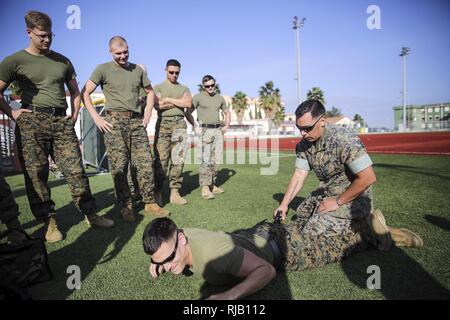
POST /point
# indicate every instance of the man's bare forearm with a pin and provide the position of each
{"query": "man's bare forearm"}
(358, 186)
(255, 281)
(294, 187)
(166, 106)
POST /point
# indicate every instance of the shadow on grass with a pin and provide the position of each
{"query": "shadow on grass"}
(69, 215)
(401, 276)
(191, 182)
(410, 169)
(294, 203)
(277, 289)
(87, 251)
(18, 192)
(223, 175)
(442, 223)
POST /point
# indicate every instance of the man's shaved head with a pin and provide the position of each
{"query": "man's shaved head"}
(117, 39)
(119, 50)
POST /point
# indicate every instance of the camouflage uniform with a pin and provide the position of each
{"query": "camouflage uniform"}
(211, 152)
(9, 210)
(38, 134)
(133, 182)
(170, 144)
(321, 238)
(296, 250)
(127, 142)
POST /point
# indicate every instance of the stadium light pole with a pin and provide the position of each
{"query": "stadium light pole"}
(296, 26)
(405, 51)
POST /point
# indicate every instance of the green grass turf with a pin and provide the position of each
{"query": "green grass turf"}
(412, 192)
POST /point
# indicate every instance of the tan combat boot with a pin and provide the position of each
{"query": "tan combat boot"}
(52, 234)
(175, 197)
(154, 209)
(377, 224)
(206, 193)
(217, 190)
(406, 238)
(96, 221)
(128, 214)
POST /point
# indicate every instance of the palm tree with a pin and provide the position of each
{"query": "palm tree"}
(270, 101)
(216, 89)
(239, 105)
(279, 116)
(334, 112)
(359, 119)
(316, 94)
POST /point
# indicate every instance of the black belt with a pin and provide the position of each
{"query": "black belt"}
(49, 110)
(277, 258)
(128, 114)
(172, 118)
(205, 125)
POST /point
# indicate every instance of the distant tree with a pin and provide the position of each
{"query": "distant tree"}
(334, 112)
(270, 99)
(239, 105)
(358, 119)
(201, 89)
(279, 116)
(316, 94)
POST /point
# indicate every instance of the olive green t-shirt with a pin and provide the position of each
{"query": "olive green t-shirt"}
(208, 107)
(121, 86)
(167, 89)
(40, 78)
(218, 256)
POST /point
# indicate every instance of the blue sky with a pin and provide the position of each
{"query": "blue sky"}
(247, 43)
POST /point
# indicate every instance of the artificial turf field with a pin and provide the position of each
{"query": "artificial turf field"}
(412, 192)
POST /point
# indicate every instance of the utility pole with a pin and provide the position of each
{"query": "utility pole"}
(296, 26)
(405, 51)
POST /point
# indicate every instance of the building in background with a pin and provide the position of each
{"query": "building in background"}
(423, 117)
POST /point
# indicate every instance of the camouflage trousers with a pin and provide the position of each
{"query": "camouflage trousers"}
(299, 250)
(133, 183)
(335, 222)
(211, 150)
(170, 146)
(39, 135)
(9, 210)
(126, 144)
(314, 239)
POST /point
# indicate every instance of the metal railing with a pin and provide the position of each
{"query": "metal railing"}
(7, 139)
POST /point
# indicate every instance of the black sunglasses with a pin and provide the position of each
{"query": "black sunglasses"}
(209, 86)
(174, 72)
(43, 36)
(172, 255)
(309, 128)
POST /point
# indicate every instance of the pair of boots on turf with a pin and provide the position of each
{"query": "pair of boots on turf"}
(387, 236)
(209, 192)
(52, 233)
(128, 214)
